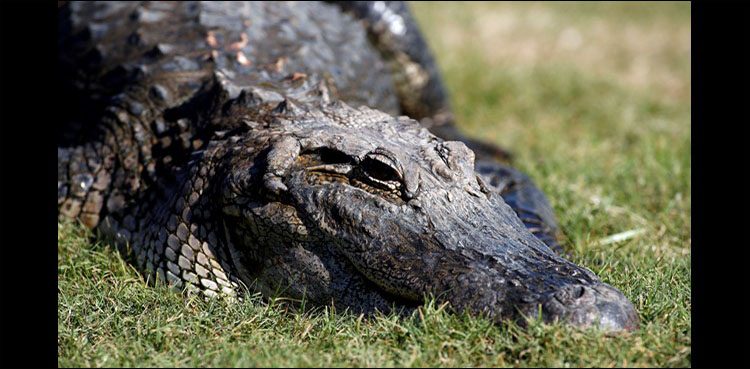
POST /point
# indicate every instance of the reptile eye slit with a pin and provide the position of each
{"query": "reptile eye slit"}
(380, 171)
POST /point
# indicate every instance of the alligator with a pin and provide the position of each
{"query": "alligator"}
(304, 150)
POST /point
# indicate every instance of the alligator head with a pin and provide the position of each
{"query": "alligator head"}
(358, 208)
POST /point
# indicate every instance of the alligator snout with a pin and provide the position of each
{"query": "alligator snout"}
(591, 305)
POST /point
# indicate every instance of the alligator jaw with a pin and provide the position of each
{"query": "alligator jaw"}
(486, 265)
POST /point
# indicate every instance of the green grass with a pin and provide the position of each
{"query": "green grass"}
(594, 101)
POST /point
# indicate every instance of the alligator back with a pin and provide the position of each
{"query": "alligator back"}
(174, 47)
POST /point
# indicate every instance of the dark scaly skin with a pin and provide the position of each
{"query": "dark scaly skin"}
(220, 148)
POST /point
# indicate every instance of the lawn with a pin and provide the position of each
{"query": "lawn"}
(593, 100)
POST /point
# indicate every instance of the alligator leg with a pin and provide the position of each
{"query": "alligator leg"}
(95, 175)
(524, 197)
(100, 171)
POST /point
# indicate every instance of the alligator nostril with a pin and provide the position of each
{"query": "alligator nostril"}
(571, 294)
(592, 305)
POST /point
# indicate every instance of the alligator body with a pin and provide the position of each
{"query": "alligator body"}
(277, 147)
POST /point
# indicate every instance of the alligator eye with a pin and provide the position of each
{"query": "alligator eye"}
(382, 170)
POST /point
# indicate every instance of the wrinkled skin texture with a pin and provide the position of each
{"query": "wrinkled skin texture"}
(257, 146)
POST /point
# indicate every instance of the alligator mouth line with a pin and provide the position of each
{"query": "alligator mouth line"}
(398, 304)
(249, 273)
